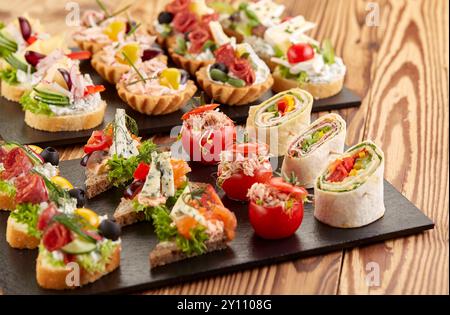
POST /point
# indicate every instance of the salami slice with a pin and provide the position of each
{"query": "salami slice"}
(30, 188)
(243, 70)
(225, 54)
(184, 21)
(177, 6)
(16, 162)
(198, 38)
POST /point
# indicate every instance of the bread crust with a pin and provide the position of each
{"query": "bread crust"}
(318, 91)
(125, 213)
(112, 74)
(96, 184)
(66, 123)
(157, 105)
(230, 95)
(13, 92)
(167, 252)
(7, 203)
(55, 278)
(17, 238)
(190, 65)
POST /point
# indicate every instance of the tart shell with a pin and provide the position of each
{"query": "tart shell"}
(318, 91)
(66, 123)
(90, 46)
(156, 105)
(230, 95)
(110, 73)
(190, 65)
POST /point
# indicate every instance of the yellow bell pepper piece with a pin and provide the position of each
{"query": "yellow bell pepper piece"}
(61, 182)
(131, 50)
(170, 78)
(89, 215)
(290, 102)
(353, 172)
(113, 29)
(35, 148)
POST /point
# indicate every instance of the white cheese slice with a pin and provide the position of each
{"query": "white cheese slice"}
(123, 144)
(167, 181)
(181, 208)
(267, 11)
(152, 185)
(290, 31)
(219, 36)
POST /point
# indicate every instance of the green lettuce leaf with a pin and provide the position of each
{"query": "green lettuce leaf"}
(9, 75)
(121, 169)
(7, 188)
(196, 244)
(162, 223)
(105, 251)
(35, 106)
(28, 214)
(301, 77)
(328, 52)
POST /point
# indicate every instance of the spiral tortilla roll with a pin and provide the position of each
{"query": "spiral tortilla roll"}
(357, 200)
(265, 125)
(306, 159)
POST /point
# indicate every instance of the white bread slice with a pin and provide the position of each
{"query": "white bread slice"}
(96, 183)
(318, 91)
(13, 92)
(7, 203)
(125, 213)
(17, 235)
(168, 252)
(66, 123)
(50, 277)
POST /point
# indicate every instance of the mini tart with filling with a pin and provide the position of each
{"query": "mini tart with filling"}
(90, 45)
(151, 98)
(113, 72)
(317, 90)
(188, 64)
(230, 95)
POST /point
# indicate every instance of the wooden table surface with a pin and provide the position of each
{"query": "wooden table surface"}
(400, 69)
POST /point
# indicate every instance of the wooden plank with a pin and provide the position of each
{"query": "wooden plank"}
(408, 116)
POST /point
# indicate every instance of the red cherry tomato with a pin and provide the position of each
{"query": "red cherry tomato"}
(199, 110)
(91, 89)
(79, 55)
(275, 222)
(141, 171)
(56, 236)
(46, 216)
(281, 185)
(237, 186)
(206, 148)
(99, 141)
(300, 52)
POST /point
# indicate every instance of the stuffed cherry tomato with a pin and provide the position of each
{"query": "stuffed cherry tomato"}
(206, 133)
(241, 166)
(276, 208)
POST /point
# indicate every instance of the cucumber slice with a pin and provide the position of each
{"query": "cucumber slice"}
(51, 101)
(236, 82)
(18, 64)
(218, 75)
(78, 246)
(51, 98)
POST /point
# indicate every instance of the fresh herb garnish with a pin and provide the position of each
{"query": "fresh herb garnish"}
(76, 224)
(9, 76)
(328, 52)
(131, 63)
(7, 188)
(181, 47)
(106, 11)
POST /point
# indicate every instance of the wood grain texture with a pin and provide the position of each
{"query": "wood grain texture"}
(400, 68)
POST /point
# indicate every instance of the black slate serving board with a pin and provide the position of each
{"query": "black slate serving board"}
(12, 126)
(17, 267)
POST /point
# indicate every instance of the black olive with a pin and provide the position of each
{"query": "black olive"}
(79, 195)
(85, 159)
(220, 66)
(184, 76)
(110, 229)
(235, 17)
(165, 18)
(50, 155)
